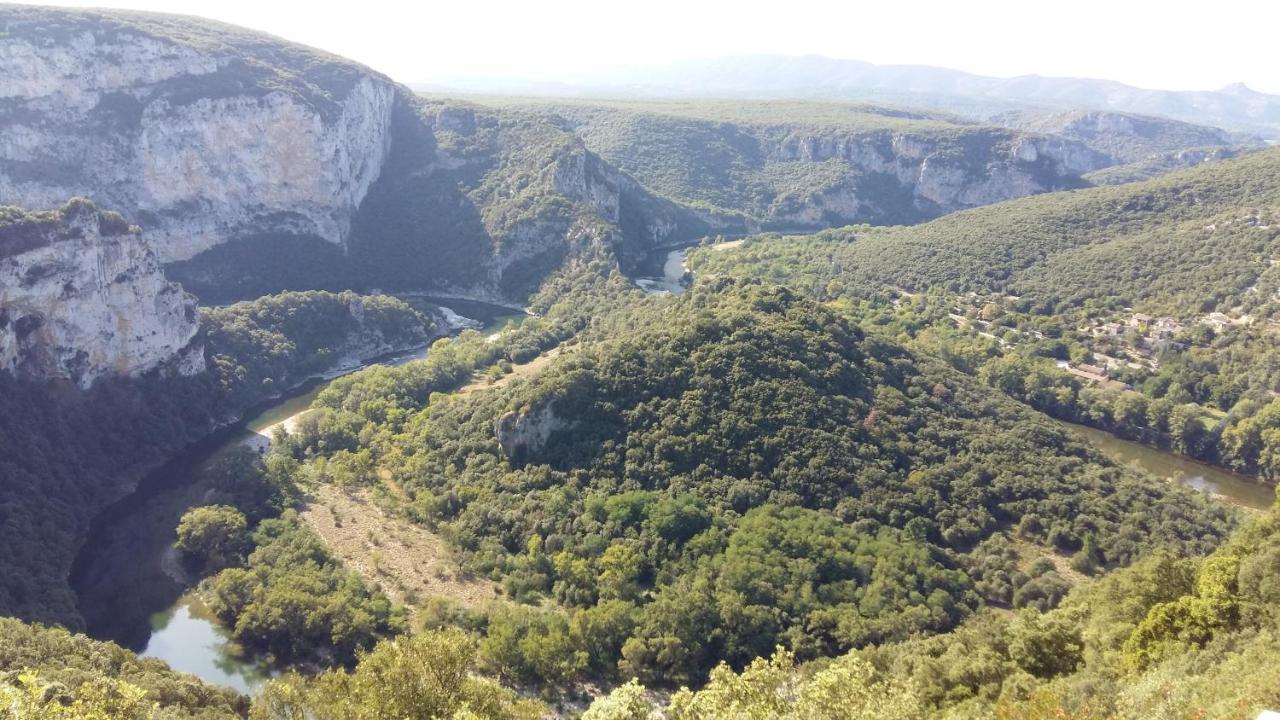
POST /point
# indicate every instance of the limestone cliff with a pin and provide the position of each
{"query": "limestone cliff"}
(1126, 138)
(795, 164)
(486, 203)
(82, 294)
(525, 433)
(904, 176)
(197, 131)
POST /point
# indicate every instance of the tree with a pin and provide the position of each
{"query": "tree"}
(216, 536)
(531, 646)
(1089, 559)
(620, 568)
(772, 689)
(1186, 432)
(601, 632)
(1045, 645)
(626, 702)
(24, 697)
(424, 677)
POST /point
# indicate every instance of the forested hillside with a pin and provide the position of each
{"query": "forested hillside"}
(1128, 137)
(1183, 244)
(1168, 288)
(66, 454)
(51, 673)
(499, 199)
(822, 475)
(747, 470)
(1166, 637)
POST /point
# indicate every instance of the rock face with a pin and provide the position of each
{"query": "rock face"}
(82, 295)
(902, 177)
(798, 165)
(525, 433)
(1127, 137)
(485, 202)
(197, 131)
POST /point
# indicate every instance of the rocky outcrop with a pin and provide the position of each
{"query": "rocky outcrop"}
(1127, 137)
(525, 433)
(82, 295)
(644, 221)
(487, 202)
(896, 177)
(197, 131)
(796, 165)
(376, 332)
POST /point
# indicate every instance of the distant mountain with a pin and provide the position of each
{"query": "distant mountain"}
(1234, 107)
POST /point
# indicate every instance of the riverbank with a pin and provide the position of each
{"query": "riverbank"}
(1229, 487)
(119, 575)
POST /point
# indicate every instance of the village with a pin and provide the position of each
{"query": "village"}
(1132, 341)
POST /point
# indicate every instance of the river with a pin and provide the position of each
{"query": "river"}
(130, 587)
(663, 272)
(1232, 487)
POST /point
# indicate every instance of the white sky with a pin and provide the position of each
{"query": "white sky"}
(1172, 44)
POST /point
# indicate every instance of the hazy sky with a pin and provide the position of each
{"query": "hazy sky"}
(1171, 44)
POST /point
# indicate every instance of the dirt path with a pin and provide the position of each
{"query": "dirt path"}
(410, 562)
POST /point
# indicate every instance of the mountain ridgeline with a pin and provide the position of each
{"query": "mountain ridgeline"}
(255, 165)
(807, 165)
(1234, 107)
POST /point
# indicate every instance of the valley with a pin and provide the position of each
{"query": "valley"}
(130, 584)
(324, 398)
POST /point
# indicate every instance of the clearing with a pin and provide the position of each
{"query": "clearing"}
(407, 560)
(529, 369)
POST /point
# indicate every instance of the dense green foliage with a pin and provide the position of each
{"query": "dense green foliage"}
(277, 588)
(770, 689)
(292, 599)
(1166, 637)
(63, 668)
(265, 346)
(704, 490)
(424, 677)
(747, 470)
(1181, 245)
(65, 454)
(214, 536)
